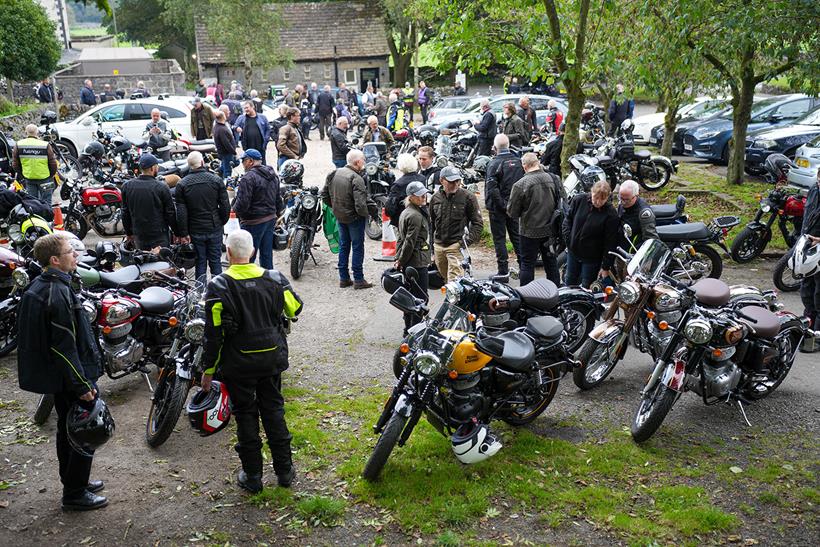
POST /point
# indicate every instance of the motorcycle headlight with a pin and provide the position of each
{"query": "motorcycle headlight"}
(452, 292)
(309, 201)
(371, 168)
(90, 310)
(195, 330)
(629, 292)
(698, 331)
(116, 314)
(20, 278)
(765, 206)
(427, 364)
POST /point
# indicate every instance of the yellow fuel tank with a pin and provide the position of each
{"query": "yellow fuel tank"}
(466, 357)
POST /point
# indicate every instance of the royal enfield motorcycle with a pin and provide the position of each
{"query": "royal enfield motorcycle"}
(92, 206)
(307, 220)
(455, 375)
(378, 179)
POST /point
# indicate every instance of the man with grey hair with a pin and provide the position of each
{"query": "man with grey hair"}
(339, 145)
(486, 129)
(158, 135)
(346, 193)
(247, 315)
(503, 171)
(36, 163)
(533, 199)
(202, 210)
(87, 96)
(635, 212)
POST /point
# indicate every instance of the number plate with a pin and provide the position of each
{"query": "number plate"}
(687, 147)
(653, 140)
(802, 162)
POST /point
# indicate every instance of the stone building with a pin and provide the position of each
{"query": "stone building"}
(330, 42)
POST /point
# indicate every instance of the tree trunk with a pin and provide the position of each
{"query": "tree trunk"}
(740, 121)
(248, 77)
(670, 123)
(661, 102)
(575, 99)
(401, 64)
(11, 89)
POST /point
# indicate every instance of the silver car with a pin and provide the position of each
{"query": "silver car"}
(451, 105)
(807, 159)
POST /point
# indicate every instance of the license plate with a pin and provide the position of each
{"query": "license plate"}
(687, 147)
(653, 140)
(802, 162)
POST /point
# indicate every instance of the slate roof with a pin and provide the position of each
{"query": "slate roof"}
(311, 31)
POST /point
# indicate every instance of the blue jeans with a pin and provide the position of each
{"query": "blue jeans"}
(262, 242)
(227, 166)
(351, 235)
(282, 159)
(339, 163)
(208, 253)
(42, 191)
(585, 270)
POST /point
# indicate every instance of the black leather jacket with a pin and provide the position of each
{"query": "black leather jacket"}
(503, 171)
(202, 203)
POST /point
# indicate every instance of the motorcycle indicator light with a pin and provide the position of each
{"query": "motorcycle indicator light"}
(404, 348)
(452, 375)
(608, 291)
(663, 325)
(692, 251)
(106, 330)
(650, 315)
(173, 321)
(717, 353)
(758, 197)
(12, 265)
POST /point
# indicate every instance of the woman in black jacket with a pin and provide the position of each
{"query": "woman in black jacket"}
(409, 166)
(591, 229)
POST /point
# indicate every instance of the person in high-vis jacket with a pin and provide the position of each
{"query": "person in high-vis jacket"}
(247, 309)
(34, 160)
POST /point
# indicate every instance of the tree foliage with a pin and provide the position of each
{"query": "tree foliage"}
(29, 49)
(406, 29)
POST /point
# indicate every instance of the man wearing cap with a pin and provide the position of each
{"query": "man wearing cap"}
(258, 204)
(148, 211)
(452, 209)
(413, 246)
(202, 120)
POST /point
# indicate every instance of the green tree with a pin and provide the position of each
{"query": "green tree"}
(29, 49)
(747, 42)
(406, 31)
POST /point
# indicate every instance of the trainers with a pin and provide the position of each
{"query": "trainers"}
(251, 483)
(344, 283)
(286, 479)
(363, 284)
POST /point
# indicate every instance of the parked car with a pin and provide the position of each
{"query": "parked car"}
(450, 105)
(710, 140)
(644, 124)
(780, 140)
(497, 102)
(807, 159)
(131, 115)
(687, 123)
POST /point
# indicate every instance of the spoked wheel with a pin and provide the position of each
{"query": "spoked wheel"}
(783, 276)
(298, 253)
(534, 399)
(76, 224)
(69, 167)
(384, 446)
(654, 175)
(373, 226)
(596, 363)
(706, 262)
(749, 244)
(652, 411)
(44, 407)
(578, 320)
(166, 407)
(761, 385)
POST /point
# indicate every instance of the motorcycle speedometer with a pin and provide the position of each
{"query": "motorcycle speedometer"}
(698, 331)
(629, 292)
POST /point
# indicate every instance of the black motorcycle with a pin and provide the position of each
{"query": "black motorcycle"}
(308, 217)
(696, 239)
(378, 179)
(68, 166)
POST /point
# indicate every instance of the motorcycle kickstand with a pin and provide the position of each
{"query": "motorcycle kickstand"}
(310, 252)
(148, 381)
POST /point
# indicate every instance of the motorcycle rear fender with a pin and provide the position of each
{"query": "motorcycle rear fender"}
(664, 160)
(575, 294)
(8, 305)
(607, 331)
(757, 225)
(674, 375)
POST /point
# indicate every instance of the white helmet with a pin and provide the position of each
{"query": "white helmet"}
(474, 442)
(805, 259)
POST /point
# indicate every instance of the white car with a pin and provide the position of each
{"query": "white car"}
(807, 159)
(473, 112)
(645, 123)
(131, 115)
(451, 105)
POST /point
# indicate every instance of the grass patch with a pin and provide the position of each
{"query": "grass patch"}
(321, 510)
(8, 108)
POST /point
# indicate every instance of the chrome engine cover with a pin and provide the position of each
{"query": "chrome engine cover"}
(108, 220)
(119, 357)
(719, 379)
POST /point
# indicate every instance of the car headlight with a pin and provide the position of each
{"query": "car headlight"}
(452, 292)
(706, 133)
(698, 331)
(371, 168)
(195, 330)
(20, 278)
(765, 143)
(427, 364)
(629, 292)
(308, 201)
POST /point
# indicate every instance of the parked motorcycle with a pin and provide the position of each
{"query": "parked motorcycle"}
(92, 206)
(456, 376)
(696, 239)
(378, 179)
(68, 166)
(308, 218)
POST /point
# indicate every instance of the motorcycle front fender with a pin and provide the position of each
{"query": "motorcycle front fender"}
(674, 375)
(607, 331)
(403, 406)
(9, 305)
(757, 225)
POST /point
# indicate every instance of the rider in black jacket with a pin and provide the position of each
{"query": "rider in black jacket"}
(339, 145)
(148, 208)
(503, 171)
(486, 128)
(637, 213)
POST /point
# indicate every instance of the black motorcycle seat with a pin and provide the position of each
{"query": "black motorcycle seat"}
(642, 154)
(513, 350)
(156, 300)
(541, 294)
(118, 278)
(683, 232)
(711, 292)
(667, 210)
(602, 160)
(88, 260)
(203, 142)
(767, 324)
(545, 327)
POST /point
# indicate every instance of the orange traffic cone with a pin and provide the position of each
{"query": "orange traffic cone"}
(58, 217)
(233, 224)
(388, 240)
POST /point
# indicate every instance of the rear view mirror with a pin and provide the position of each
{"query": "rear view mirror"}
(88, 121)
(627, 231)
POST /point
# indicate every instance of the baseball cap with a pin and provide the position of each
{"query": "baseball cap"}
(450, 174)
(416, 188)
(196, 100)
(251, 153)
(148, 160)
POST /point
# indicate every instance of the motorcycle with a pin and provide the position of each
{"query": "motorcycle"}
(68, 166)
(307, 217)
(92, 206)
(455, 375)
(724, 352)
(378, 179)
(592, 124)
(696, 239)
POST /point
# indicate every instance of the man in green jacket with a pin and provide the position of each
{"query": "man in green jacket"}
(247, 314)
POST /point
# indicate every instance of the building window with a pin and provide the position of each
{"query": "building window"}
(286, 74)
(307, 72)
(350, 76)
(328, 72)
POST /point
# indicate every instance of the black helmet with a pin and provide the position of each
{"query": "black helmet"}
(94, 149)
(210, 411)
(590, 175)
(777, 167)
(89, 428)
(106, 253)
(480, 164)
(427, 138)
(434, 279)
(120, 143)
(280, 238)
(49, 117)
(184, 255)
(292, 171)
(392, 280)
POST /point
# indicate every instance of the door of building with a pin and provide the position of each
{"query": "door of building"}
(368, 75)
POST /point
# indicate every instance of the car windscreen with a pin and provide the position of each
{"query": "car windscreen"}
(721, 107)
(812, 118)
(759, 107)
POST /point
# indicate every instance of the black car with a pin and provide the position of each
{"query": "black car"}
(784, 140)
(684, 124)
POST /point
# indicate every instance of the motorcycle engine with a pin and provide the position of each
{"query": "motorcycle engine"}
(719, 379)
(108, 220)
(465, 396)
(118, 357)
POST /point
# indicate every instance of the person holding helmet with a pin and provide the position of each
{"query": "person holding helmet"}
(413, 246)
(636, 212)
(56, 353)
(247, 315)
(35, 161)
(810, 286)
(147, 207)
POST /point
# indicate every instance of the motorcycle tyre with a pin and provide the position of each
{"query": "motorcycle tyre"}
(664, 400)
(373, 226)
(384, 446)
(398, 368)
(177, 391)
(44, 407)
(514, 419)
(761, 241)
(561, 259)
(76, 224)
(584, 354)
(589, 323)
(9, 340)
(298, 253)
(662, 168)
(69, 165)
(714, 258)
(780, 270)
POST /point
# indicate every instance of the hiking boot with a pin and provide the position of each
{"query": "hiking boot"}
(344, 283)
(286, 478)
(363, 284)
(251, 483)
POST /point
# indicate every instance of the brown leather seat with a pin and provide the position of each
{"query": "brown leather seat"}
(767, 324)
(711, 292)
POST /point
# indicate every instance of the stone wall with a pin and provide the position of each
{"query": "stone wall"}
(165, 77)
(14, 125)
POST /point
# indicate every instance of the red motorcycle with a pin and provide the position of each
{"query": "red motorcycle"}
(92, 207)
